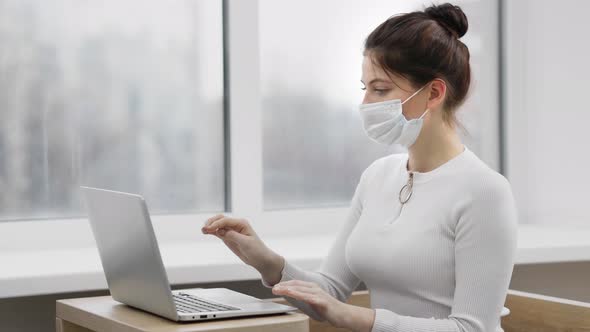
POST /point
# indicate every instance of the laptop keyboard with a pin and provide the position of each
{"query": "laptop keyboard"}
(186, 303)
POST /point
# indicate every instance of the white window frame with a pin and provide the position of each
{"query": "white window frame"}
(244, 162)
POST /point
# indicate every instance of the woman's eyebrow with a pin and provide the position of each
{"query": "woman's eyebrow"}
(377, 80)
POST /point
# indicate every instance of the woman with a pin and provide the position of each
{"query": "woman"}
(431, 233)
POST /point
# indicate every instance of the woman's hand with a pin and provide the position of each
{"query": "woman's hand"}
(327, 307)
(339, 314)
(240, 238)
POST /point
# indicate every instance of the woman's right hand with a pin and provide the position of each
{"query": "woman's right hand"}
(239, 236)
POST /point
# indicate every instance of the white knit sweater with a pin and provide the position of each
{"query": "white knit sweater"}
(442, 262)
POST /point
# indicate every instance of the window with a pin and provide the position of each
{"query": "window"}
(314, 147)
(126, 95)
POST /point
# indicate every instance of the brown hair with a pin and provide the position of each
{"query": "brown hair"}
(423, 45)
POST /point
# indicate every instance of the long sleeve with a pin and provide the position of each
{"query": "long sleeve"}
(485, 246)
(334, 275)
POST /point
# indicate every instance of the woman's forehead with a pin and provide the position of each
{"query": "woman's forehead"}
(371, 75)
(372, 71)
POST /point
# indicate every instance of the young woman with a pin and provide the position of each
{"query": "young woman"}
(431, 233)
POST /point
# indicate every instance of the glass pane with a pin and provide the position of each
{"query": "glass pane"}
(125, 95)
(314, 146)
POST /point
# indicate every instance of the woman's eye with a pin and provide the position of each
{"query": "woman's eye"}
(380, 92)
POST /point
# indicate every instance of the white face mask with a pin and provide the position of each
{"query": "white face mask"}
(385, 123)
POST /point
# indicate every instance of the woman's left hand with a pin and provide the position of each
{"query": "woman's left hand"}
(323, 303)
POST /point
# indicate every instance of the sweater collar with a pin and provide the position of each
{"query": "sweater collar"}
(420, 177)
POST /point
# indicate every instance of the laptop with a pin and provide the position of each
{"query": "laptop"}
(135, 272)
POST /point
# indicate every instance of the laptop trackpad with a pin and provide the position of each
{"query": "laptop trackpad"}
(222, 295)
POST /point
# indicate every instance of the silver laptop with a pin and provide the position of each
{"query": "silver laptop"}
(135, 272)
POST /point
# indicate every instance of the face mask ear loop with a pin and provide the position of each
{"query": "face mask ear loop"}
(410, 97)
(423, 114)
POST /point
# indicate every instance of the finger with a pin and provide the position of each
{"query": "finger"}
(205, 229)
(211, 233)
(212, 219)
(229, 241)
(297, 282)
(297, 294)
(231, 235)
(226, 222)
(286, 290)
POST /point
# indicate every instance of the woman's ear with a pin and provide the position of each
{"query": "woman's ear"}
(438, 90)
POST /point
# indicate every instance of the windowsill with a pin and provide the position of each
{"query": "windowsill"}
(68, 270)
(60, 271)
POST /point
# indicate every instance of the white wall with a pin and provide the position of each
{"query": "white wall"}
(547, 77)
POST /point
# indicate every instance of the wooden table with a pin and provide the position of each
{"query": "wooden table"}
(105, 314)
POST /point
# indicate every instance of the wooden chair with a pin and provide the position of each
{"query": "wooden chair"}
(526, 312)
(539, 313)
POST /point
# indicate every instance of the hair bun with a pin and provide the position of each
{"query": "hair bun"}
(450, 16)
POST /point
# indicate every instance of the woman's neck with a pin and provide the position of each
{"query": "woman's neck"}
(434, 148)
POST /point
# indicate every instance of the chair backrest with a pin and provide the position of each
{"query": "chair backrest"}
(539, 313)
(526, 312)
